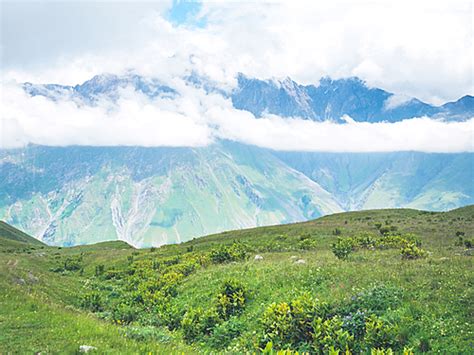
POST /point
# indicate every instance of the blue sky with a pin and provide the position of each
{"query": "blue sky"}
(185, 12)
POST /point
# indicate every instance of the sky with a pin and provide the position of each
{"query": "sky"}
(420, 49)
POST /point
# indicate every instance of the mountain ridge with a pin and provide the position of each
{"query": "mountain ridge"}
(328, 100)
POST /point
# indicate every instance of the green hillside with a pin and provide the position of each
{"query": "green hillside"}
(15, 235)
(402, 281)
(147, 197)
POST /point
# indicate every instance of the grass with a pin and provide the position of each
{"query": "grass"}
(40, 309)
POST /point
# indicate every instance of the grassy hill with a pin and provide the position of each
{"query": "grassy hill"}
(242, 290)
(16, 235)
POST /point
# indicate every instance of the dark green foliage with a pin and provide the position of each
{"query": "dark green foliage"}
(354, 323)
(92, 301)
(291, 324)
(225, 254)
(99, 270)
(224, 333)
(380, 334)
(374, 300)
(330, 336)
(343, 247)
(232, 298)
(198, 322)
(124, 313)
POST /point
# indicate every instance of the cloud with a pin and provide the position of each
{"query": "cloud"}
(194, 118)
(421, 49)
(132, 120)
(395, 101)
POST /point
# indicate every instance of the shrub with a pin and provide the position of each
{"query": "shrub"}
(379, 334)
(73, 264)
(124, 313)
(365, 240)
(232, 299)
(92, 301)
(385, 230)
(354, 323)
(99, 269)
(343, 247)
(291, 324)
(307, 244)
(197, 323)
(330, 337)
(224, 333)
(223, 254)
(411, 251)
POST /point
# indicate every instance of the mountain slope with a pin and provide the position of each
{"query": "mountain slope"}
(332, 99)
(155, 196)
(381, 180)
(11, 233)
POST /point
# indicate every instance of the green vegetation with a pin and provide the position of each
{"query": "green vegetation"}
(376, 282)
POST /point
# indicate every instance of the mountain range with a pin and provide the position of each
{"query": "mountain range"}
(329, 100)
(154, 196)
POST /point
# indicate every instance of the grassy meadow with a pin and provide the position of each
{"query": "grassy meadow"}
(402, 282)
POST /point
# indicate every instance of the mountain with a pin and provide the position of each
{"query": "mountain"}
(152, 196)
(400, 179)
(155, 196)
(9, 233)
(332, 99)
(328, 100)
(101, 86)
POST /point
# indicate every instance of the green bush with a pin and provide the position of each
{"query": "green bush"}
(92, 301)
(224, 254)
(307, 244)
(73, 264)
(291, 324)
(124, 313)
(343, 247)
(411, 251)
(330, 337)
(232, 298)
(354, 323)
(99, 269)
(197, 322)
(379, 334)
(223, 334)
(365, 240)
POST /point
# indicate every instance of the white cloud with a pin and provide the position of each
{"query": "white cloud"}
(395, 101)
(133, 120)
(195, 119)
(421, 49)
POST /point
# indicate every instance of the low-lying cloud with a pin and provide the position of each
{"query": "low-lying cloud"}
(195, 118)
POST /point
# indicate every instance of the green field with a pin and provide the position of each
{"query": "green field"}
(211, 294)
